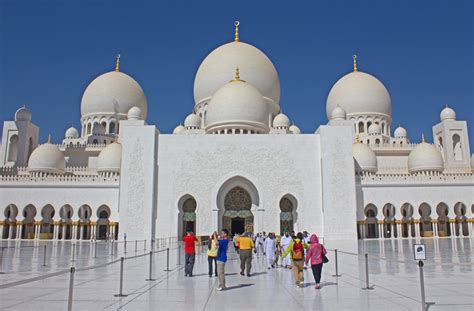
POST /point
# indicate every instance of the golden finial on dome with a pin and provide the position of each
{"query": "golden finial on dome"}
(117, 64)
(354, 57)
(237, 74)
(236, 24)
(49, 138)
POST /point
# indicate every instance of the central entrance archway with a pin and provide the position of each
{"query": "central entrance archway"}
(237, 216)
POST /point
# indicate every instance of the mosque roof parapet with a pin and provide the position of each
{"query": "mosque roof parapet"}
(63, 180)
(418, 178)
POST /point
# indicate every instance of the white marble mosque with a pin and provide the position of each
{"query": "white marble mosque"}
(237, 162)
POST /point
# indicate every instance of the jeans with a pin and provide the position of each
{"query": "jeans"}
(245, 260)
(298, 271)
(210, 260)
(221, 273)
(317, 272)
(189, 264)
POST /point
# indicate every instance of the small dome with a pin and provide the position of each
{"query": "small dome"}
(425, 157)
(110, 158)
(134, 113)
(23, 114)
(375, 129)
(294, 129)
(365, 158)
(281, 120)
(71, 133)
(400, 132)
(238, 104)
(47, 158)
(192, 121)
(179, 129)
(359, 93)
(447, 114)
(338, 114)
(113, 93)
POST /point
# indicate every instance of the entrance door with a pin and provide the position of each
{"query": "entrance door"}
(237, 225)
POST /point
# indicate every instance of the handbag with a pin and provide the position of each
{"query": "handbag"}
(325, 259)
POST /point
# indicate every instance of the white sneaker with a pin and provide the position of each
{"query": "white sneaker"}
(219, 288)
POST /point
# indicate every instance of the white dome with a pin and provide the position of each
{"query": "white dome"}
(375, 129)
(400, 132)
(359, 93)
(447, 114)
(134, 113)
(179, 129)
(113, 93)
(23, 114)
(281, 120)
(192, 121)
(71, 133)
(110, 158)
(294, 129)
(238, 104)
(220, 64)
(338, 114)
(365, 158)
(47, 158)
(425, 157)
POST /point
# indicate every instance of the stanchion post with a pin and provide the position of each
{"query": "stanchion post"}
(144, 245)
(179, 254)
(150, 270)
(422, 286)
(168, 259)
(44, 256)
(367, 285)
(136, 245)
(120, 294)
(1, 260)
(125, 246)
(71, 287)
(95, 249)
(335, 261)
(73, 252)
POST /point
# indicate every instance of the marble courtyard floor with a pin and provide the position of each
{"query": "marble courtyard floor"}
(394, 275)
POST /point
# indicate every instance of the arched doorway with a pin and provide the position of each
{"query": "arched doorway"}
(187, 215)
(408, 225)
(287, 214)
(84, 228)
(371, 231)
(443, 220)
(28, 224)
(65, 227)
(389, 226)
(461, 226)
(237, 216)
(426, 227)
(9, 224)
(47, 222)
(103, 214)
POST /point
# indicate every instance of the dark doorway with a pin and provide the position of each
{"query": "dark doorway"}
(237, 225)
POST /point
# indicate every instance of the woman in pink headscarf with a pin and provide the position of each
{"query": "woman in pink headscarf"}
(316, 253)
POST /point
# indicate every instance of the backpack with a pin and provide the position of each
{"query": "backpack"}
(297, 250)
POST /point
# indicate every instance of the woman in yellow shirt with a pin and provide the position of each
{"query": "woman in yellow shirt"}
(212, 253)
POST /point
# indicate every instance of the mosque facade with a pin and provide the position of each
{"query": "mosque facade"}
(237, 162)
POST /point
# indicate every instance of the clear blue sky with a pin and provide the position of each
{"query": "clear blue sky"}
(421, 50)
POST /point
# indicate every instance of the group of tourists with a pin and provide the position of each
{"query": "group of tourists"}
(291, 251)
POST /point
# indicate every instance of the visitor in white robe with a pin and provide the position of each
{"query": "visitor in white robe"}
(285, 242)
(269, 249)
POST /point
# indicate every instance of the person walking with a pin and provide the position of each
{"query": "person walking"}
(212, 253)
(235, 241)
(277, 250)
(245, 245)
(296, 248)
(257, 244)
(284, 243)
(269, 250)
(316, 253)
(190, 253)
(306, 239)
(221, 259)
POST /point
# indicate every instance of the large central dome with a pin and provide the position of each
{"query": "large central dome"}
(219, 65)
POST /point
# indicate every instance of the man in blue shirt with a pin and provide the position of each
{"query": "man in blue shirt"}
(222, 258)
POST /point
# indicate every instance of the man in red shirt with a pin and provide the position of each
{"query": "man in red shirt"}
(189, 251)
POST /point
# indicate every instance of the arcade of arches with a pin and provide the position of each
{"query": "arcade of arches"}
(26, 224)
(429, 222)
